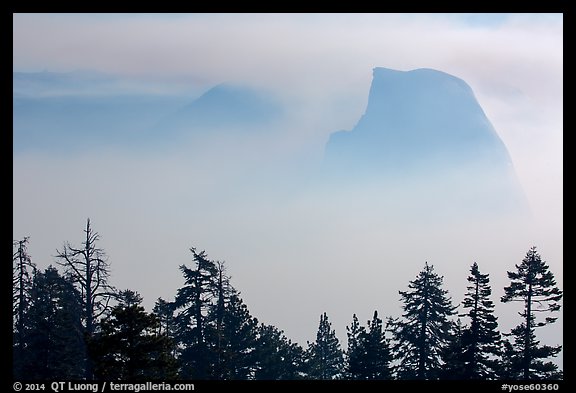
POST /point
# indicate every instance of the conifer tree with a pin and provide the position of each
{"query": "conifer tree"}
(368, 352)
(23, 270)
(164, 311)
(510, 366)
(454, 354)
(481, 341)
(378, 356)
(128, 345)
(223, 290)
(237, 344)
(424, 330)
(533, 284)
(278, 358)
(356, 353)
(55, 347)
(324, 356)
(193, 317)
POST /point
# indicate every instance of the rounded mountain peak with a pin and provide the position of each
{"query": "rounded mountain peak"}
(416, 117)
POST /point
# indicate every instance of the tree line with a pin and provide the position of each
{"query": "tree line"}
(71, 323)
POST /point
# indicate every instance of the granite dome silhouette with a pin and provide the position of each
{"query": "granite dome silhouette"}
(426, 128)
(416, 118)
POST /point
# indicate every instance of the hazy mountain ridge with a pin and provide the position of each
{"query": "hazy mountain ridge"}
(64, 122)
(424, 136)
(69, 110)
(418, 116)
(225, 105)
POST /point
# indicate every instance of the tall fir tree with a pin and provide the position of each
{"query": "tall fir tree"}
(215, 332)
(355, 354)
(23, 271)
(325, 359)
(236, 346)
(128, 346)
(454, 356)
(164, 311)
(368, 356)
(278, 358)
(193, 317)
(223, 290)
(378, 350)
(533, 284)
(167, 326)
(511, 359)
(55, 346)
(481, 340)
(424, 330)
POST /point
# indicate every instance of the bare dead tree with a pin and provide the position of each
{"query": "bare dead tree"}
(89, 269)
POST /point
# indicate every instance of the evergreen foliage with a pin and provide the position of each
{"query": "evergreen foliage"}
(128, 345)
(23, 271)
(278, 358)
(55, 347)
(424, 330)
(368, 355)
(481, 341)
(532, 284)
(65, 329)
(325, 359)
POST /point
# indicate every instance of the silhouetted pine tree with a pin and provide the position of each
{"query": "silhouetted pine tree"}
(510, 365)
(23, 270)
(237, 343)
(325, 359)
(55, 347)
(127, 345)
(378, 356)
(534, 285)
(368, 355)
(164, 311)
(278, 358)
(193, 317)
(355, 355)
(424, 329)
(481, 341)
(223, 291)
(215, 333)
(454, 354)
